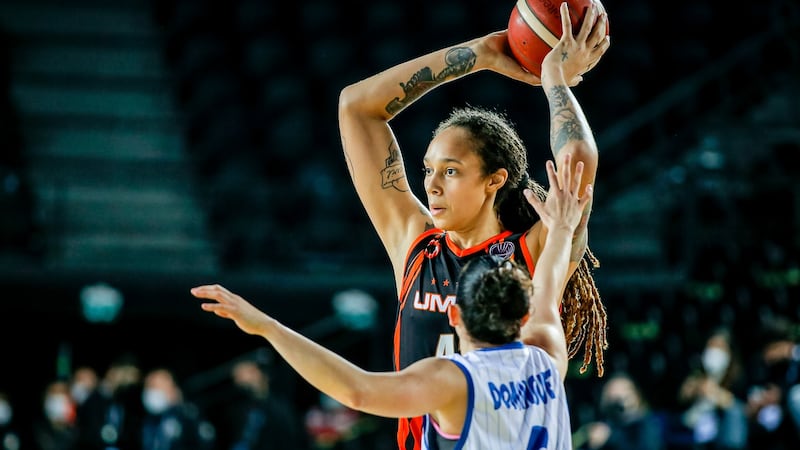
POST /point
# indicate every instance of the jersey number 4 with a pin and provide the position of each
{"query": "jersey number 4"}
(446, 345)
(538, 438)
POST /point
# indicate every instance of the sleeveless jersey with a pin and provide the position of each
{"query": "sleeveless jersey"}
(429, 287)
(516, 401)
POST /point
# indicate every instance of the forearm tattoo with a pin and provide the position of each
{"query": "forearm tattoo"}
(393, 175)
(458, 61)
(564, 122)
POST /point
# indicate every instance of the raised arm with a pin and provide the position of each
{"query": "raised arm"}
(570, 133)
(372, 153)
(429, 385)
(561, 213)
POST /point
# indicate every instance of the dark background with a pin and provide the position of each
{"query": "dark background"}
(154, 146)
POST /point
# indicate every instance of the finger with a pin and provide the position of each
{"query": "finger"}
(598, 29)
(588, 193)
(217, 309)
(552, 176)
(201, 291)
(589, 20)
(211, 291)
(537, 204)
(576, 180)
(601, 47)
(565, 174)
(566, 23)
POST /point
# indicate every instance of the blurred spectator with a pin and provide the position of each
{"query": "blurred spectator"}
(55, 429)
(10, 438)
(714, 397)
(83, 382)
(332, 425)
(774, 398)
(110, 418)
(254, 417)
(171, 422)
(786, 353)
(626, 420)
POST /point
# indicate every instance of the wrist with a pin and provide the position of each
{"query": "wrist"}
(560, 231)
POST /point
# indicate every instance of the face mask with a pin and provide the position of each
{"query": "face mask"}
(715, 361)
(614, 410)
(155, 401)
(58, 408)
(80, 392)
(5, 412)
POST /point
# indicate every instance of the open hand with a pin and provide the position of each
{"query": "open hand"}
(228, 305)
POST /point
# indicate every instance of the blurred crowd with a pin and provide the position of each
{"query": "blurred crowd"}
(129, 407)
(726, 400)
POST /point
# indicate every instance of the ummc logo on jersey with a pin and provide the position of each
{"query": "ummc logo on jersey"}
(433, 302)
(502, 249)
(523, 393)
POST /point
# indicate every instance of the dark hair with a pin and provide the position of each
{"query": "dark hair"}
(493, 296)
(499, 146)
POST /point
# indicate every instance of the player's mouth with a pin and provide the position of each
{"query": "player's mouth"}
(437, 210)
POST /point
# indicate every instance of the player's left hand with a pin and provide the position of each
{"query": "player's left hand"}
(228, 305)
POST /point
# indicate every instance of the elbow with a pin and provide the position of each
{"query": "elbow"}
(585, 151)
(359, 101)
(347, 96)
(347, 99)
(356, 398)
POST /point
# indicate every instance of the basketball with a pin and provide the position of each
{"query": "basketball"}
(534, 28)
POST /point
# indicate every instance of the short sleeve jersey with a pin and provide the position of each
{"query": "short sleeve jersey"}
(429, 287)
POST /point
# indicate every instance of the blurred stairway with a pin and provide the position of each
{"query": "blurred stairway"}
(103, 139)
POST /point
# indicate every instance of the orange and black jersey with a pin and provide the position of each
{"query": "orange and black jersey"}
(429, 287)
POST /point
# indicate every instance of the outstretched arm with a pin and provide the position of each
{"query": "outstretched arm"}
(429, 385)
(372, 153)
(561, 214)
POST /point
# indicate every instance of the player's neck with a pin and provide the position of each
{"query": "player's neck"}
(476, 234)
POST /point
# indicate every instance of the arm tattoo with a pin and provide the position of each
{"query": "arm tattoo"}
(458, 61)
(564, 122)
(424, 212)
(393, 175)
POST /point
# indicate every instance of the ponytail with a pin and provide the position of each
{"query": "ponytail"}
(513, 209)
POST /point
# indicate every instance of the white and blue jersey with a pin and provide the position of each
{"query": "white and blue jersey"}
(516, 402)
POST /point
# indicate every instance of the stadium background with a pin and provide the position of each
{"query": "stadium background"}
(152, 146)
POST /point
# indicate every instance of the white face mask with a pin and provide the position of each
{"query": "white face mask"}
(155, 401)
(58, 408)
(715, 361)
(5, 412)
(80, 392)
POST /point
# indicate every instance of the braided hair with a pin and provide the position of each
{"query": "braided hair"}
(499, 146)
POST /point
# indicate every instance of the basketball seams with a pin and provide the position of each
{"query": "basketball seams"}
(534, 28)
(529, 16)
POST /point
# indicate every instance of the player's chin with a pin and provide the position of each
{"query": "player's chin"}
(441, 222)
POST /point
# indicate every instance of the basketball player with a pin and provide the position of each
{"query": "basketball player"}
(497, 392)
(475, 172)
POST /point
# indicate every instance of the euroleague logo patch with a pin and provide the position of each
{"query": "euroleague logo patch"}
(502, 249)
